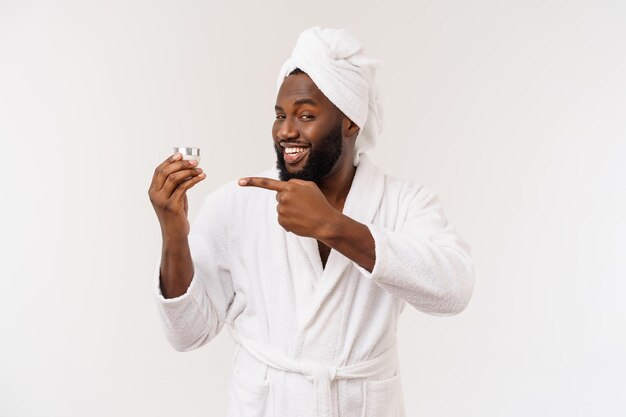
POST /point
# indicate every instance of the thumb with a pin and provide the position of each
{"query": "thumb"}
(301, 182)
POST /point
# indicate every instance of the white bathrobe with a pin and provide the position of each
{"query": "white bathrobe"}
(316, 341)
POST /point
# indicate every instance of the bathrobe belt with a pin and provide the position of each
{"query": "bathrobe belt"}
(322, 375)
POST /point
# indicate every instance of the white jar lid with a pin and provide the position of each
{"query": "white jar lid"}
(187, 150)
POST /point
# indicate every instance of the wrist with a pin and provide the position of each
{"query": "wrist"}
(172, 240)
(332, 228)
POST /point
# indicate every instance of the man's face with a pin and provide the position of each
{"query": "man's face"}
(307, 131)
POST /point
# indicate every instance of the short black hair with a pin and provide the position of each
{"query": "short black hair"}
(297, 71)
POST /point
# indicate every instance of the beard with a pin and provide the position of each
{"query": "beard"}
(320, 161)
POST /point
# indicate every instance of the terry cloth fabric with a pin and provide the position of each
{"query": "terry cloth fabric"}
(306, 330)
(320, 374)
(336, 63)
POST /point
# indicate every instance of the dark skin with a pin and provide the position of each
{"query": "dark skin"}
(304, 207)
(308, 208)
(168, 195)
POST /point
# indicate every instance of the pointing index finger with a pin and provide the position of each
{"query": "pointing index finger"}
(261, 182)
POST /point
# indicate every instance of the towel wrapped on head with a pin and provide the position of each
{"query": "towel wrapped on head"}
(335, 62)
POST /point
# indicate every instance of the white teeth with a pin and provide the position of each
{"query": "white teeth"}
(294, 150)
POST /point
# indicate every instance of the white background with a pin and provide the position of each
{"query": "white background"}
(513, 112)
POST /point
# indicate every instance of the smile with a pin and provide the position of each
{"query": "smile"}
(294, 155)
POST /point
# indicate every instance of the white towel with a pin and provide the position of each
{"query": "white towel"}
(336, 63)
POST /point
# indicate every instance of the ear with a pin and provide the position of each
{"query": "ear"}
(350, 129)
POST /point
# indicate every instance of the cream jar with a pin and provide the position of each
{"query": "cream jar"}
(188, 153)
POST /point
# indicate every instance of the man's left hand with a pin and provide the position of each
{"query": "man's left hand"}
(302, 207)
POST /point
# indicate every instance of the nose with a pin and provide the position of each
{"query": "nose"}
(287, 129)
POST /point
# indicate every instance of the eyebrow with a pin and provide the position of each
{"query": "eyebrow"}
(300, 102)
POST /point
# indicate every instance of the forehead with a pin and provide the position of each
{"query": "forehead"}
(298, 86)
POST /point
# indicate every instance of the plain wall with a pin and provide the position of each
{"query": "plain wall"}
(513, 112)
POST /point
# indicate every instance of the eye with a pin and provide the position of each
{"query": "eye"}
(306, 116)
(279, 116)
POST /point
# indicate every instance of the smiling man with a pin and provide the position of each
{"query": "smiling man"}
(295, 155)
(310, 263)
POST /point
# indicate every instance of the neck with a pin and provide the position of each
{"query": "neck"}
(337, 183)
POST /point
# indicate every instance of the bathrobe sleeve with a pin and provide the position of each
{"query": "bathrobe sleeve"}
(423, 261)
(194, 318)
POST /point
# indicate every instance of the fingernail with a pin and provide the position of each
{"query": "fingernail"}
(243, 181)
(199, 169)
(177, 156)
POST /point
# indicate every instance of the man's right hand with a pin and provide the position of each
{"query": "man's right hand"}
(167, 192)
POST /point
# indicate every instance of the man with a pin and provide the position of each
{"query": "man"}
(310, 263)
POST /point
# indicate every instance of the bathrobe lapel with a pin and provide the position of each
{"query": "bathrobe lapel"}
(362, 204)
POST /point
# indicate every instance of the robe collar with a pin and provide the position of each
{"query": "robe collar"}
(362, 203)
